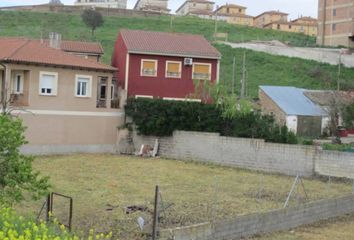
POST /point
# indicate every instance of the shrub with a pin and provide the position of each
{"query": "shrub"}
(160, 118)
(14, 227)
(16, 174)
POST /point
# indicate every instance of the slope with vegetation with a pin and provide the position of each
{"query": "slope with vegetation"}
(262, 69)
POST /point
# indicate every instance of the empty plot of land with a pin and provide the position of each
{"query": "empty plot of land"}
(103, 186)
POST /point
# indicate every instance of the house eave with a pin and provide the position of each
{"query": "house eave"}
(173, 55)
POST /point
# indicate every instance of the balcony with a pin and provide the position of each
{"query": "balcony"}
(19, 99)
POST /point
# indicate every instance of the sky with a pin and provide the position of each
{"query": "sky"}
(254, 7)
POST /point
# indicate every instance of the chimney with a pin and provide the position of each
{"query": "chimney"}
(55, 40)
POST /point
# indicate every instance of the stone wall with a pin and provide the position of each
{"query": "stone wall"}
(254, 154)
(79, 9)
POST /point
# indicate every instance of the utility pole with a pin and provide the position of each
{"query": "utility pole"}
(216, 23)
(171, 23)
(339, 71)
(233, 75)
(243, 80)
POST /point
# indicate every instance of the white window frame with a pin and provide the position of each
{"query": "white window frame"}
(55, 89)
(179, 69)
(182, 99)
(141, 67)
(205, 64)
(88, 86)
(15, 84)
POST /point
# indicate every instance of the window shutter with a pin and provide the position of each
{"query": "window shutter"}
(149, 65)
(173, 67)
(204, 69)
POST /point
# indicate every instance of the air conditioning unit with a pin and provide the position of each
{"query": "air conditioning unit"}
(188, 61)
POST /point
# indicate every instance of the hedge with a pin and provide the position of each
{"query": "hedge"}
(160, 118)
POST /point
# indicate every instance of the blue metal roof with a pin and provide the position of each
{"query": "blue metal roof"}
(293, 101)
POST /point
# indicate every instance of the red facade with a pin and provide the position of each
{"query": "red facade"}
(159, 86)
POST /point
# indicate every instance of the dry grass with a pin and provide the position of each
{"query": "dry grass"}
(198, 192)
(335, 229)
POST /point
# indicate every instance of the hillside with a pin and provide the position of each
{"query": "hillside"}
(262, 68)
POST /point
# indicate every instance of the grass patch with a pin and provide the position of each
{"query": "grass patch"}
(334, 229)
(197, 192)
(262, 68)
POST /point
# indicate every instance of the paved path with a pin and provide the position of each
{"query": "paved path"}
(325, 55)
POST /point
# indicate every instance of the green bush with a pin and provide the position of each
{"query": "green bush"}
(160, 118)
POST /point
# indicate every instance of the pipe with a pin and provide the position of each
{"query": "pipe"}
(324, 22)
(3, 89)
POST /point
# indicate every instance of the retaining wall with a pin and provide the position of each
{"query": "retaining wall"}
(79, 9)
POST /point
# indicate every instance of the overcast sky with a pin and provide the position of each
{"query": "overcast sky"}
(294, 7)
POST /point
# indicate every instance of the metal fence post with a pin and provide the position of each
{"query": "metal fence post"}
(156, 214)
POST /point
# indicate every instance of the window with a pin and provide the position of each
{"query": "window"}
(173, 69)
(278, 26)
(17, 83)
(202, 71)
(289, 26)
(83, 86)
(334, 12)
(334, 27)
(148, 68)
(48, 83)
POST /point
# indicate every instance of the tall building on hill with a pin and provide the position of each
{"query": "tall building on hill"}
(103, 3)
(152, 6)
(234, 14)
(336, 23)
(269, 17)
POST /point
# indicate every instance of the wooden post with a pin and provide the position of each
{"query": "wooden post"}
(48, 208)
(156, 214)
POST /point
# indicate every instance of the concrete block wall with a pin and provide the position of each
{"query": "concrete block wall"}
(335, 164)
(275, 220)
(254, 154)
(282, 219)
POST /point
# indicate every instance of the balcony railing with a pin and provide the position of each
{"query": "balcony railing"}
(19, 99)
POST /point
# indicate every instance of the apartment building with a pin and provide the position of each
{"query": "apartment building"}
(268, 17)
(336, 23)
(234, 14)
(195, 7)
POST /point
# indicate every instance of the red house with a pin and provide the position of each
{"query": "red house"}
(163, 65)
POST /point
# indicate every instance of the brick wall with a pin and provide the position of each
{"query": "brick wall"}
(252, 154)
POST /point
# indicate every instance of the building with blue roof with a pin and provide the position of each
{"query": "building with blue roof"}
(291, 107)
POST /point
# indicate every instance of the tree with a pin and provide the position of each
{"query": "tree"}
(16, 174)
(92, 19)
(348, 116)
